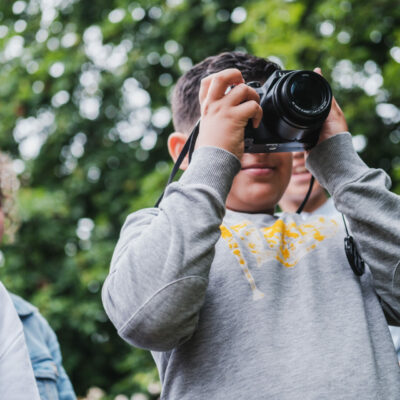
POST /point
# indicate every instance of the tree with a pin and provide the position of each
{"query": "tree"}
(84, 109)
(84, 91)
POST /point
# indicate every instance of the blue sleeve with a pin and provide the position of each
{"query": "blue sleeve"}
(64, 386)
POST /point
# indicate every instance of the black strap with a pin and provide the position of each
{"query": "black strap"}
(300, 209)
(188, 147)
(192, 139)
(353, 257)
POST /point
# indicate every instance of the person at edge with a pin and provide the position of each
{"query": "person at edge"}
(43, 347)
(17, 381)
(235, 302)
(318, 203)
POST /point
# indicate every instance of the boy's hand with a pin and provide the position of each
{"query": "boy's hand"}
(224, 116)
(335, 122)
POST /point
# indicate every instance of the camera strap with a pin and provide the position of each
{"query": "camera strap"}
(353, 257)
(300, 209)
(187, 148)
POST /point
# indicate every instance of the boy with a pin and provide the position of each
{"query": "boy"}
(237, 304)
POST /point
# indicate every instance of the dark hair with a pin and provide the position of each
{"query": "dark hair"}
(185, 98)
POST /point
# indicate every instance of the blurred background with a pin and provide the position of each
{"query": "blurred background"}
(85, 112)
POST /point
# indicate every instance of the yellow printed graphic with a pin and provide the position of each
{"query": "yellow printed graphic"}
(231, 239)
(287, 243)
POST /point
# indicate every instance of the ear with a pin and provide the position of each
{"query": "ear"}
(176, 141)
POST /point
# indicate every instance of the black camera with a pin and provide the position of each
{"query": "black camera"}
(295, 105)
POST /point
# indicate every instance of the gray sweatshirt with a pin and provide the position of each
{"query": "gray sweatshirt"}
(252, 306)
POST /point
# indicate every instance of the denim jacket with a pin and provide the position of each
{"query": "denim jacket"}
(45, 354)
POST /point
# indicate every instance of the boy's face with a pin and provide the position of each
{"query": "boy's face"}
(300, 181)
(260, 183)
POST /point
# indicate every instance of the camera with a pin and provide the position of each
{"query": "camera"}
(295, 105)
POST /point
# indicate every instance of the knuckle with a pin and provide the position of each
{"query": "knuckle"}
(210, 108)
(230, 115)
(231, 71)
(205, 108)
(256, 95)
(254, 105)
(240, 89)
(216, 108)
(253, 94)
(229, 74)
(206, 79)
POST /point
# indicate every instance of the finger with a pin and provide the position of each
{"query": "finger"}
(204, 86)
(249, 110)
(240, 94)
(335, 122)
(318, 71)
(206, 82)
(335, 105)
(335, 110)
(221, 81)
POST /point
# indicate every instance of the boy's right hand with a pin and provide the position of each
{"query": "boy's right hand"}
(225, 116)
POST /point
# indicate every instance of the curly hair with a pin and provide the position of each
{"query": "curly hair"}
(185, 98)
(9, 185)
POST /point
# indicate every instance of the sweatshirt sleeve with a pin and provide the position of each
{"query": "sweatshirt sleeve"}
(159, 270)
(362, 194)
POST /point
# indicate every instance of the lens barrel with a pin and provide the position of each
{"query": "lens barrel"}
(303, 98)
(295, 105)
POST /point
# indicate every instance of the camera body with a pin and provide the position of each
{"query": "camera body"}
(295, 105)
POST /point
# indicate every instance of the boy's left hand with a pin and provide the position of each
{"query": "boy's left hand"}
(335, 122)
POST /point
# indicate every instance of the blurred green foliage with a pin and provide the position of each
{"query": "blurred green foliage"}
(84, 108)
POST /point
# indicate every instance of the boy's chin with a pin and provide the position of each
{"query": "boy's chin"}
(255, 197)
(252, 209)
(251, 205)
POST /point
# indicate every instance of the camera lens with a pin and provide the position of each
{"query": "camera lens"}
(307, 93)
(295, 104)
(303, 97)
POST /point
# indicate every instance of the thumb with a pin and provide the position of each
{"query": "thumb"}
(318, 70)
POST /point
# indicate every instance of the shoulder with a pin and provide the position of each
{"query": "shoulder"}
(142, 216)
(34, 324)
(7, 310)
(3, 292)
(10, 325)
(23, 307)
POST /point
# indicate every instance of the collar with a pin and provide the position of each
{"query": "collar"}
(23, 308)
